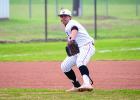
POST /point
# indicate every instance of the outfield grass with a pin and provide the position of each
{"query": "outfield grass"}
(45, 94)
(118, 24)
(121, 23)
(106, 49)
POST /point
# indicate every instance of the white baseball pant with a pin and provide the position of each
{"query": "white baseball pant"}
(79, 59)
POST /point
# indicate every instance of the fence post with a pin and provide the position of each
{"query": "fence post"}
(95, 19)
(137, 9)
(76, 5)
(81, 8)
(106, 7)
(56, 7)
(30, 9)
(46, 33)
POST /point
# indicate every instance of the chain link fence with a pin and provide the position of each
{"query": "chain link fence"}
(115, 19)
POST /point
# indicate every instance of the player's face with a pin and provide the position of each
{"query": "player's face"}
(65, 19)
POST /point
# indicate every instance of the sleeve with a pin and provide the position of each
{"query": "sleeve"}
(74, 28)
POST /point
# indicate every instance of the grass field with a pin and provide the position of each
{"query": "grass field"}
(112, 49)
(120, 31)
(45, 94)
(118, 24)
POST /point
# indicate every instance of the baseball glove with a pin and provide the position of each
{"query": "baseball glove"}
(72, 48)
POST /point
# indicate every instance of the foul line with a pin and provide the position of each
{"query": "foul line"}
(123, 49)
(98, 51)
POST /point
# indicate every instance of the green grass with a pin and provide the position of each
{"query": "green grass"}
(119, 23)
(46, 94)
(122, 22)
(106, 49)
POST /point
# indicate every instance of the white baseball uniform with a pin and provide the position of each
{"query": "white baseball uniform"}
(86, 47)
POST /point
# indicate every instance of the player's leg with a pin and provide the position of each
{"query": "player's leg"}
(66, 67)
(82, 60)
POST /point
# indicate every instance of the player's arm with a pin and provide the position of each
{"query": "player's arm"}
(72, 46)
(74, 31)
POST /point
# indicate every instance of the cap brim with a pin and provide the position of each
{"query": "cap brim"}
(64, 14)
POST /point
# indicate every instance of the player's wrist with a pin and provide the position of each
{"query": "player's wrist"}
(71, 41)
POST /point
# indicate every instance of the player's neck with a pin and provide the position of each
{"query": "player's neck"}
(66, 23)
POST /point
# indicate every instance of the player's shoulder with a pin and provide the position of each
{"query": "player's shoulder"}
(70, 23)
(73, 21)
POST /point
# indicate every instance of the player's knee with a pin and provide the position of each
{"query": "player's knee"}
(64, 67)
(84, 70)
(79, 64)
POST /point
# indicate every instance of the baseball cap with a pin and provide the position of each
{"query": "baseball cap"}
(65, 12)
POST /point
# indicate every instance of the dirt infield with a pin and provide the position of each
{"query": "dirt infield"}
(106, 75)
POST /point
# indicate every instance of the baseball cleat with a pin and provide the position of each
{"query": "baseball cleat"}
(73, 89)
(85, 87)
(91, 82)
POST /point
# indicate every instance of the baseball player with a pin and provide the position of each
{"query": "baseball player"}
(77, 34)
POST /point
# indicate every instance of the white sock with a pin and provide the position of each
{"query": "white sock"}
(86, 79)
